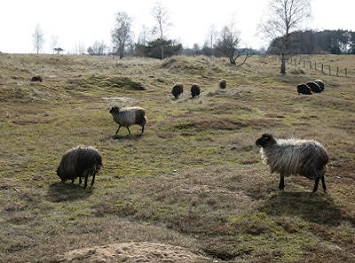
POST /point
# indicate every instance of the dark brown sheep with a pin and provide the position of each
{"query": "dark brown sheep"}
(314, 87)
(37, 78)
(222, 84)
(320, 83)
(82, 162)
(177, 90)
(303, 89)
(195, 90)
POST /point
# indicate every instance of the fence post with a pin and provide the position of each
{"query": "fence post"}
(346, 72)
(322, 68)
(315, 65)
(337, 71)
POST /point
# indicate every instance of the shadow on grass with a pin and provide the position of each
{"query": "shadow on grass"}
(59, 192)
(127, 137)
(314, 207)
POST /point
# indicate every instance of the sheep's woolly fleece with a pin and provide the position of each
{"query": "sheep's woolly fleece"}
(132, 252)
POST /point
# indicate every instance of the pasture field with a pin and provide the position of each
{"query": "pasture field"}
(194, 180)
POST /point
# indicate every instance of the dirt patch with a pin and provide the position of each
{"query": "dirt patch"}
(132, 252)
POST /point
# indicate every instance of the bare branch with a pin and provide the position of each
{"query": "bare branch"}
(121, 34)
(285, 17)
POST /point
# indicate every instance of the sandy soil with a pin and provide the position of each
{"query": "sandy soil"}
(132, 252)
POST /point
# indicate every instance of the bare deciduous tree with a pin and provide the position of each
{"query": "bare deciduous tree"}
(97, 49)
(227, 45)
(211, 36)
(38, 39)
(121, 34)
(161, 16)
(284, 18)
(144, 36)
(54, 43)
(80, 48)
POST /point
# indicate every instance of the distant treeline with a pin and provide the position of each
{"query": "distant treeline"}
(318, 42)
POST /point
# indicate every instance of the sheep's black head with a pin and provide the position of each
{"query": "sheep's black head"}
(60, 173)
(114, 110)
(265, 140)
(222, 84)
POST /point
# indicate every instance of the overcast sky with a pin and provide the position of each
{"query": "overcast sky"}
(77, 23)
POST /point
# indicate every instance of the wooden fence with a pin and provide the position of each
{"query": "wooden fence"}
(325, 69)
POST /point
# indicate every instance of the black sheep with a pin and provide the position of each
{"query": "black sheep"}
(177, 90)
(314, 87)
(222, 84)
(303, 89)
(81, 161)
(37, 78)
(195, 90)
(320, 83)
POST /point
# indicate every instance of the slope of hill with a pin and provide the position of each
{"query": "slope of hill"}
(193, 182)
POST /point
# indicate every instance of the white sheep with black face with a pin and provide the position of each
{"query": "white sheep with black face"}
(294, 157)
(129, 116)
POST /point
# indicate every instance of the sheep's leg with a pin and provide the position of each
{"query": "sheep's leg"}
(316, 182)
(128, 130)
(79, 180)
(86, 181)
(142, 129)
(119, 126)
(323, 184)
(282, 182)
(93, 179)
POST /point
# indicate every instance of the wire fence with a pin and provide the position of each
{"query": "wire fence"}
(330, 70)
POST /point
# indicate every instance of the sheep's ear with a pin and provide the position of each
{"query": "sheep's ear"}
(267, 136)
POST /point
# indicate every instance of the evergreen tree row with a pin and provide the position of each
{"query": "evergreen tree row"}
(318, 42)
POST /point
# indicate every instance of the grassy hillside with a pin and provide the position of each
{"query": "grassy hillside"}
(194, 179)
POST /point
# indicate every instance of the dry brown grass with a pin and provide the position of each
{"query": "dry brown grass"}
(193, 180)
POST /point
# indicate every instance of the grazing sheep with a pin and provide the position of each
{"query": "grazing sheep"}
(37, 78)
(195, 90)
(129, 116)
(294, 157)
(314, 87)
(81, 161)
(320, 84)
(303, 89)
(177, 90)
(222, 84)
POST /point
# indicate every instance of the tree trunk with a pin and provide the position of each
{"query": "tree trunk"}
(161, 51)
(283, 64)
